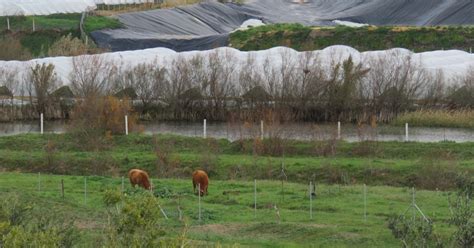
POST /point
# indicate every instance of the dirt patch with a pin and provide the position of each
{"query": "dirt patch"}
(220, 229)
(320, 225)
(84, 224)
(348, 235)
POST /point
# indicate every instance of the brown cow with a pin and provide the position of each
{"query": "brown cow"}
(140, 178)
(200, 178)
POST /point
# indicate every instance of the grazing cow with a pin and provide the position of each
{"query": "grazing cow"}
(140, 178)
(200, 178)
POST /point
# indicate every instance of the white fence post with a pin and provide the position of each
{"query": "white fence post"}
(34, 26)
(255, 198)
(41, 123)
(406, 132)
(261, 130)
(8, 23)
(126, 124)
(310, 200)
(338, 130)
(205, 129)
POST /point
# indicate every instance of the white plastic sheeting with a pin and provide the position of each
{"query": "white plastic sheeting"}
(118, 2)
(44, 7)
(451, 62)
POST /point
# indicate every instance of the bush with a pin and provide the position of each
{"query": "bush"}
(67, 46)
(135, 222)
(22, 224)
(94, 119)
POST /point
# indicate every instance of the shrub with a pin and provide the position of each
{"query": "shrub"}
(135, 222)
(67, 46)
(94, 119)
(22, 224)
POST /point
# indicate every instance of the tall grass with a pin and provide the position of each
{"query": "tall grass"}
(437, 118)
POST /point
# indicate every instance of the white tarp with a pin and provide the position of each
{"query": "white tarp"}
(44, 7)
(451, 62)
(118, 2)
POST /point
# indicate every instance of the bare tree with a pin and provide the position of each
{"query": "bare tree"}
(42, 81)
(147, 81)
(179, 82)
(9, 80)
(394, 82)
(461, 94)
(218, 84)
(90, 75)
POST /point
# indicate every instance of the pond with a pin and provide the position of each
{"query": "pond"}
(299, 131)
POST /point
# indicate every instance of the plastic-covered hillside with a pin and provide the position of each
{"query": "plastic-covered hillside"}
(207, 25)
(451, 63)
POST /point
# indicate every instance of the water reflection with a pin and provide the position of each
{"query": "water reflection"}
(300, 131)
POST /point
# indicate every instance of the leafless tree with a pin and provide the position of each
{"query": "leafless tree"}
(147, 80)
(42, 80)
(90, 75)
(219, 84)
(8, 79)
(179, 82)
(394, 82)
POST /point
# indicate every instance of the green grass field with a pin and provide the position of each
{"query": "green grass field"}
(373, 163)
(50, 28)
(304, 38)
(229, 219)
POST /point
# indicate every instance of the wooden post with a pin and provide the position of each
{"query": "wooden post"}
(34, 26)
(123, 184)
(8, 23)
(365, 202)
(85, 190)
(255, 198)
(39, 181)
(62, 188)
(126, 124)
(261, 130)
(199, 199)
(413, 202)
(310, 200)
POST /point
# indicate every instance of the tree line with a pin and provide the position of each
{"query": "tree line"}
(218, 86)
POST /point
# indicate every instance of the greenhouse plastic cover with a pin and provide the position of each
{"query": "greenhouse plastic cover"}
(452, 63)
(207, 25)
(44, 7)
(118, 2)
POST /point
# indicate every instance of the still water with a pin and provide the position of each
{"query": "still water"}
(300, 131)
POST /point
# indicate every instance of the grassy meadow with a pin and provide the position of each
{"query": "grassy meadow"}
(302, 38)
(49, 29)
(228, 216)
(330, 162)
